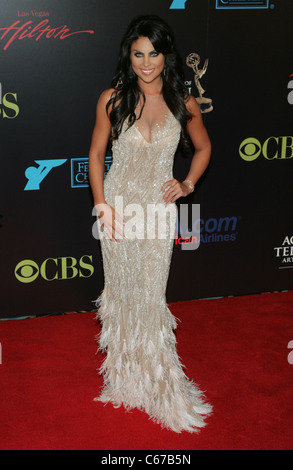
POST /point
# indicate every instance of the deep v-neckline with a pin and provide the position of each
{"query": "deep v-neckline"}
(157, 126)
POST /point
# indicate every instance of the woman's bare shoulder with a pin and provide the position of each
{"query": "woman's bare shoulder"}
(192, 105)
(106, 95)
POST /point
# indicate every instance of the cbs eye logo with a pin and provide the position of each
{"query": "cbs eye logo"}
(272, 148)
(26, 271)
(250, 149)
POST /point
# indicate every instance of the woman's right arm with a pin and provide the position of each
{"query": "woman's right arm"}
(99, 142)
(100, 137)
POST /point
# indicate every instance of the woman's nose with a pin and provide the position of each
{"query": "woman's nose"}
(146, 61)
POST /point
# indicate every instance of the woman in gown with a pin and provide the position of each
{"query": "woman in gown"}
(145, 114)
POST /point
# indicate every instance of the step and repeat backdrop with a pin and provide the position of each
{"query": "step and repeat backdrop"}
(56, 57)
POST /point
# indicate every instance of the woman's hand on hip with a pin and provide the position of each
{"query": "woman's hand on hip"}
(174, 190)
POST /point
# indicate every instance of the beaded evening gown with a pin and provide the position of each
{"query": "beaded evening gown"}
(142, 369)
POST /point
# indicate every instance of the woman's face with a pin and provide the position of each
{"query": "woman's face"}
(147, 63)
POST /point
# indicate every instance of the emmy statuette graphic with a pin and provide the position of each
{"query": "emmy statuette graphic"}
(193, 61)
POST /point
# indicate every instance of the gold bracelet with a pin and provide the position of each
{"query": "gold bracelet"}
(189, 184)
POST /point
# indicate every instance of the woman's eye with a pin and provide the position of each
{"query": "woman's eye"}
(152, 54)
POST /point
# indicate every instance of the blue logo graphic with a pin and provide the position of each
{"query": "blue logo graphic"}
(178, 5)
(242, 4)
(35, 175)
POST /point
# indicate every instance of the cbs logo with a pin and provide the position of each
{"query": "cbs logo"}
(53, 269)
(272, 148)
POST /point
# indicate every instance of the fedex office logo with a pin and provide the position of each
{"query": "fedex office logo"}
(36, 174)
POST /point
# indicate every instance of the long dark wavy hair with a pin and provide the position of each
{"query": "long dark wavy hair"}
(127, 91)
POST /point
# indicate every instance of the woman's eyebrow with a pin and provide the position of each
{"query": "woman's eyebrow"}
(136, 50)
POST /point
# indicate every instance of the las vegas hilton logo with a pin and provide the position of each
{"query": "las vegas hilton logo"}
(284, 253)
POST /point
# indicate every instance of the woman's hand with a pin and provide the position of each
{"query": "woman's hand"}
(108, 219)
(174, 189)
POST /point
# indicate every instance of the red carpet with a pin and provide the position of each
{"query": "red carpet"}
(235, 348)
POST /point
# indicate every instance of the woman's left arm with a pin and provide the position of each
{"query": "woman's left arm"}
(202, 144)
